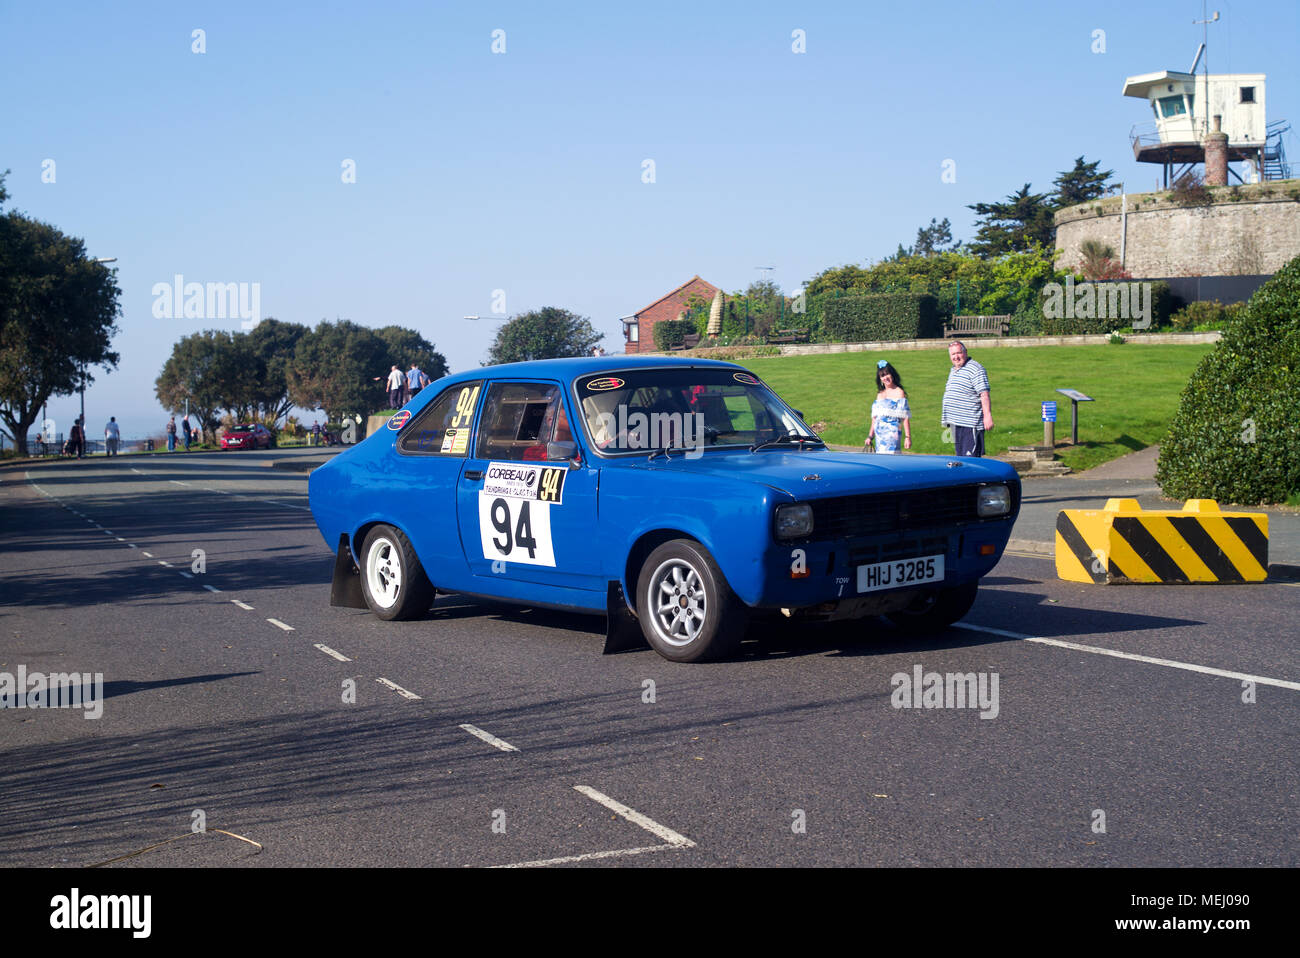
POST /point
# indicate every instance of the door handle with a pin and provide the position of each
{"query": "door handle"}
(474, 474)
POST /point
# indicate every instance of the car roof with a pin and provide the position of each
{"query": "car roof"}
(567, 369)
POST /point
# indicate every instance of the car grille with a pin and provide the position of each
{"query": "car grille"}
(848, 517)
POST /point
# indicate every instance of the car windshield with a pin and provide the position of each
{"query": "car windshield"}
(244, 428)
(640, 410)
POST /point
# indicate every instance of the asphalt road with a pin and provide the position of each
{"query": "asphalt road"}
(225, 682)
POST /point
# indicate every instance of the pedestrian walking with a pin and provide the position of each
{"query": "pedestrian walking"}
(315, 432)
(171, 434)
(395, 383)
(77, 439)
(112, 436)
(966, 405)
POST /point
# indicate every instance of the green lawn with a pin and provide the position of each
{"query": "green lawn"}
(1136, 389)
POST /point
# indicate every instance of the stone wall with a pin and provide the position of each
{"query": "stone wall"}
(1244, 229)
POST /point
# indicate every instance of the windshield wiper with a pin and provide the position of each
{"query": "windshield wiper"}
(788, 437)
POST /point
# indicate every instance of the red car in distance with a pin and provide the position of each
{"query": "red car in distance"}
(247, 436)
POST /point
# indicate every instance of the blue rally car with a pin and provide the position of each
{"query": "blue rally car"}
(675, 495)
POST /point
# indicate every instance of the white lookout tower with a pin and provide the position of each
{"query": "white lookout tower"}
(1187, 107)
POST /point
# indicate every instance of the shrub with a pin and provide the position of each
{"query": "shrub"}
(880, 317)
(1236, 436)
(671, 333)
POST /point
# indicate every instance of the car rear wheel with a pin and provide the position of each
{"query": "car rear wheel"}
(392, 579)
(937, 610)
(688, 613)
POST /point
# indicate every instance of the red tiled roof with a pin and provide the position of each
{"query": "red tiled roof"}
(675, 292)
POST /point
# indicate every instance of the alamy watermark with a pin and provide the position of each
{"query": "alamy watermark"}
(179, 299)
(950, 690)
(1090, 300)
(58, 690)
(623, 430)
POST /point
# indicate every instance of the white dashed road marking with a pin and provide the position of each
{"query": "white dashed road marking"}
(149, 554)
(281, 625)
(330, 652)
(1132, 657)
(398, 689)
(188, 575)
(212, 588)
(242, 605)
(489, 738)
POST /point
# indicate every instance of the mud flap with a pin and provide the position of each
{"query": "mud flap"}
(622, 630)
(345, 590)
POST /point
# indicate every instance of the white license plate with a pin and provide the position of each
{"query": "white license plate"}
(899, 573)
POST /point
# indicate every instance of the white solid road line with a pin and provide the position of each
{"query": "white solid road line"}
(636, 818)
(281, 625)
(616, 853)
(330, 652)
(489, 738)
(398, 689)
(1150, 660)
(212, 588)
(242, 605)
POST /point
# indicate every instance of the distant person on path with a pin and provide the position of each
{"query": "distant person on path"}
(171, 434)
(890, 415)
(112, 436)
(315, 432)
(77, 439)
(185, 431)
(966, 406)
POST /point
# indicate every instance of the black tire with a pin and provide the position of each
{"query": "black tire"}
(937, 610)
(392, 580)
(687, 611)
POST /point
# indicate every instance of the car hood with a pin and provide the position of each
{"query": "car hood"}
(819, 473)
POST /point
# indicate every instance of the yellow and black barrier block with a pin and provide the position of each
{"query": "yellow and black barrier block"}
(1125, 543)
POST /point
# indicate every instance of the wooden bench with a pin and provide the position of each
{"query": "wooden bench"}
(977, 326)
(786, 336)
(689, 341)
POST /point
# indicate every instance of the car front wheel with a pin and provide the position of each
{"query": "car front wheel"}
(687, 611)
(392, 579)
(936, 611)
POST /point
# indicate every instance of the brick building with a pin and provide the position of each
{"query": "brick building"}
(638, 329)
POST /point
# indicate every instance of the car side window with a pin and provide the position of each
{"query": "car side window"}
(519, 419)
(443, 427)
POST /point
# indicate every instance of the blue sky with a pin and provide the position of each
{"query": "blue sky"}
(522, 171)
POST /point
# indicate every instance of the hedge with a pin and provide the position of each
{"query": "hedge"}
(1236, 434)
(670, 333)
(878, 317)
(1161, 307)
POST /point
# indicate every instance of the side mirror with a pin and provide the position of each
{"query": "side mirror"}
(799, 413)
(557, 451)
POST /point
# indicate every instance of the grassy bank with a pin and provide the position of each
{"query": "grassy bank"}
(1136, 389)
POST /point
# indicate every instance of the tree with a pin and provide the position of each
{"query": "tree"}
(406, 346)
(272, 344)
(211, 371)
(1014, 225)
(1081, 184)
(547, 333)
(933, 239)
(334, 367)
(57, 318)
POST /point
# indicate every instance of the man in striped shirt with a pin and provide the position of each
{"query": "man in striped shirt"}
(966, 402)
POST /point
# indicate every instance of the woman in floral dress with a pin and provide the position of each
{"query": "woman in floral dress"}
(890, 416)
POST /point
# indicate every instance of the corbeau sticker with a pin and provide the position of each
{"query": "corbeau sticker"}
(400, 420)
(745, 378)
(512, 480)
(609, 382)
